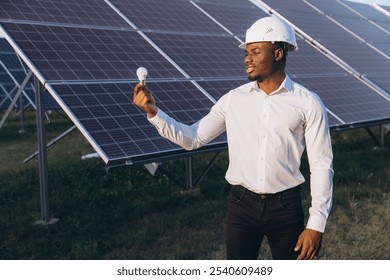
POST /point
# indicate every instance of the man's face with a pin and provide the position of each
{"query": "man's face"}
(261, 60)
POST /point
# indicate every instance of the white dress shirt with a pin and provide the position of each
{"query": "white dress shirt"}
(266, 136)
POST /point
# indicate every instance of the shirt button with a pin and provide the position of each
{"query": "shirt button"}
(262, 196)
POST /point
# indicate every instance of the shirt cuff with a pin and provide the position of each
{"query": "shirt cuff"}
(159, 119)
(316, 223)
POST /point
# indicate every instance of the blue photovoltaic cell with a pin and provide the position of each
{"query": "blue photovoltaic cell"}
(79, 12)
(120, 129)
(172, 15)
(67, 53)
(203, 56)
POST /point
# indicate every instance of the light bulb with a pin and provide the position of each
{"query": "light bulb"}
(141, 74)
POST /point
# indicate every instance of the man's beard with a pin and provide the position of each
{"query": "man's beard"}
(257, 78)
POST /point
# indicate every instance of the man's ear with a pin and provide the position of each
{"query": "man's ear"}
(279, 53)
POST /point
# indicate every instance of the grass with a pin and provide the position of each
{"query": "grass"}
(128, 214)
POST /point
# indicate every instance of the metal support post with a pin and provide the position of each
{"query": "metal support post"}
(373, 137)
(385, 131)
(382, 135)
(191, 183)
(44, 194)
(22, 128)
(189, 172)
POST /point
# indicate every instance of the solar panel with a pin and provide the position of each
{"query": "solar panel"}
(308, 61)
(354, 22)
(175, 16)
(54, 12)
(118, 129)
(217, 88)
(375, 16)
(349, 99)
(368, 11)
(203, 55)
(68, 53)
(236, 16)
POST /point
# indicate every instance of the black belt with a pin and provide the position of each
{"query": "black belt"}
(250, 193)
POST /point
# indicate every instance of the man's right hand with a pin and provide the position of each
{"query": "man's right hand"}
(144, 100)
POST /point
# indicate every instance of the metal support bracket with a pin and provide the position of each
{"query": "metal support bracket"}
(51, 143)
(191, 183)
(383, 131)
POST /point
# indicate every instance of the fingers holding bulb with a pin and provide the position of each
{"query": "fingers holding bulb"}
(144, 99)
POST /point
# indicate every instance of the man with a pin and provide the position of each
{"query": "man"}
(269, 122)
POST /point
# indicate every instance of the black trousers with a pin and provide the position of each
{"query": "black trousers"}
(252, 216)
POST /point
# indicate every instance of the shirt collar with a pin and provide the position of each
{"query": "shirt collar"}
(285, 86)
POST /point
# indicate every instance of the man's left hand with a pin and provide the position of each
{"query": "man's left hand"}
(309, 243)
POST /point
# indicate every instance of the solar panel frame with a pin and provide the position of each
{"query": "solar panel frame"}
(386, 8)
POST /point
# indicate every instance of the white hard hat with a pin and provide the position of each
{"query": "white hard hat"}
(271, 29)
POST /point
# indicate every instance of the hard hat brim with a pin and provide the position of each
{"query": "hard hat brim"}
(292, 48)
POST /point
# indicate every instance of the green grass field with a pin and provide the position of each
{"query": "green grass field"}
(128, 214)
